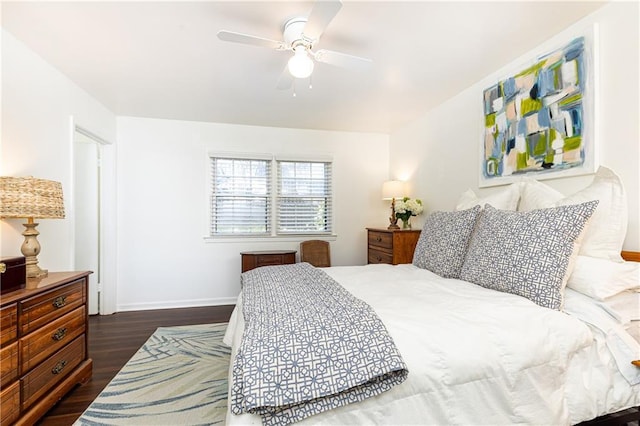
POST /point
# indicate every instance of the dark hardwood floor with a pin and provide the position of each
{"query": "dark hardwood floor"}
(113, 339)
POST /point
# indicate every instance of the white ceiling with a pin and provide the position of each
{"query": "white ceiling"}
(163, 59)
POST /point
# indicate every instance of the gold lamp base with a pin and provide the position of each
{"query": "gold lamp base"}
(393, 220)
(30, 249)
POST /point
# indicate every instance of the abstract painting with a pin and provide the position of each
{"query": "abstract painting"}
(539, 121)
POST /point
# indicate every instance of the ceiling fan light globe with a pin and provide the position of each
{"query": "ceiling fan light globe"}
(300, 65)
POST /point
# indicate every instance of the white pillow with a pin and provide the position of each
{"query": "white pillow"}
(536, 195)
(602, 278)
(506, 199)
(607, 228)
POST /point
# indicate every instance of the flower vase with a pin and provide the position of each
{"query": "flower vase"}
(406, 224)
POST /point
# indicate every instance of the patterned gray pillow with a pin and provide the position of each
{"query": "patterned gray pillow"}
(526, 253)
(443, 241)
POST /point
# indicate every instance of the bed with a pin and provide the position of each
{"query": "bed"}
(477, 350)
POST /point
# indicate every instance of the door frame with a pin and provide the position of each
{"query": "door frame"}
(107, 212)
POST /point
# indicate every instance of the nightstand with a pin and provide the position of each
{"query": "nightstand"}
(255, 259)
(391, 246)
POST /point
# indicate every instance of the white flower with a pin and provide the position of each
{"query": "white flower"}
(407, 207)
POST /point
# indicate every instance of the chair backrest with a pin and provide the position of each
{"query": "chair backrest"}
(315, 252)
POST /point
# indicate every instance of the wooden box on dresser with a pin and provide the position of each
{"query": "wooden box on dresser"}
(391, 246)
(43, 345)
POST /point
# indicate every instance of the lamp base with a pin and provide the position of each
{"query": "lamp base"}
(393, 220)
(30, 249)
(34, 271)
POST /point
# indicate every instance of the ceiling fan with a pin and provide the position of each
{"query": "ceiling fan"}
(300, 35)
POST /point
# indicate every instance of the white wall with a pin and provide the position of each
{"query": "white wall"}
(163, 169)
(440, 150)
(37, 103)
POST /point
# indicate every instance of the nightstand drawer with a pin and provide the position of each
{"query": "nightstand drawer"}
(393, 246)
(269, 260)
(46, 307)
(8, 364)
(8, 324)
(52, 371)
(377, 256)
(256, 259)
(40, 344)
(381, 239)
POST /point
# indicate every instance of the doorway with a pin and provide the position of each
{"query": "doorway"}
(87, 195)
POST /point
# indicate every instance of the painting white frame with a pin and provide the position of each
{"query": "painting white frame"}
(589, 106)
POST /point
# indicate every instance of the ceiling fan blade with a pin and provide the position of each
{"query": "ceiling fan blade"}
(322, 13)
(285, 80)
(249, 39)
(343, 60)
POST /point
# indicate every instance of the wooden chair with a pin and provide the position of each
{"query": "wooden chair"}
(315, 252)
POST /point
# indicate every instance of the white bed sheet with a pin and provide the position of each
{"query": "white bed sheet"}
(475, 356)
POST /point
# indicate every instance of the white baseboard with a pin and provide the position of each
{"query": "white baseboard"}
(147, 306)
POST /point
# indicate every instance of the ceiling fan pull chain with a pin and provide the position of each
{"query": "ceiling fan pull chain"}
(310, 83)
(294, 87)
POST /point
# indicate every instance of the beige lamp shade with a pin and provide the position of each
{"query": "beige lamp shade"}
(393, 189)
(28, 197)
(31, 198)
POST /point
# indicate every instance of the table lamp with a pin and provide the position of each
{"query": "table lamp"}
(30, 198)
(391, 190)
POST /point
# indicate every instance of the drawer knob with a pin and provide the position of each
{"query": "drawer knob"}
(59, 335)
(379, 259)
(59, 367)
(59, 302)
(3, 268)
(378, 238)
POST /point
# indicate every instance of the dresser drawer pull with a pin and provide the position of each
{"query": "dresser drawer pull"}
(59, 335)
(378, 238)
(59, 302)
(379, 259)
(59, 367)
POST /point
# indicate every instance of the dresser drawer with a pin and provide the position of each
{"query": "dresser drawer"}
(40, 344)
(50, 372)
(381, 239)
(8, 364)
(378, 256)
(10, 403)
(43, 309)
(8, 324)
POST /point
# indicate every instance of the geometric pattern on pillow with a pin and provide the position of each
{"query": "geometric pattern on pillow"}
(526, 253)
(443, 241)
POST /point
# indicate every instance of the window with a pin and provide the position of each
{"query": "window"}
(242, 201)
(241, 196)
(304, 197)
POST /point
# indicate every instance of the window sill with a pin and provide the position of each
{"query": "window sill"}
(269, 239)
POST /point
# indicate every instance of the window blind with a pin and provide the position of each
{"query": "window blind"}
(240, 196)
(304, 197)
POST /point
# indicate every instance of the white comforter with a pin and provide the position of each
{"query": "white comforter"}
(477, 356)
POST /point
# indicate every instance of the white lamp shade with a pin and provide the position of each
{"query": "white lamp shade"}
(393, 189)
(300, 65)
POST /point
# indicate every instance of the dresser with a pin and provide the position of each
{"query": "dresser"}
(43, 345)
(391, 246)
(255, 259)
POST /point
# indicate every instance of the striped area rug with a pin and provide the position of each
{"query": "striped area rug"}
(178, 377)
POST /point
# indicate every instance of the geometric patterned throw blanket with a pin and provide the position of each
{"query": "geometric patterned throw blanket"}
(308, 346)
